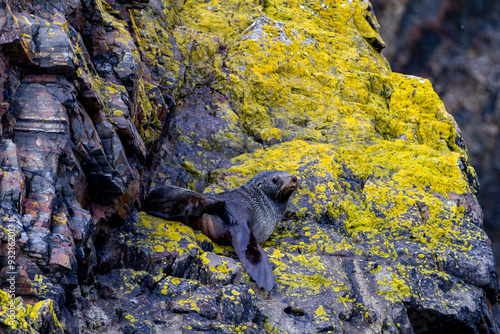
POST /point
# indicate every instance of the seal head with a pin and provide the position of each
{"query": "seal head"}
(277, 185)
(267, 195)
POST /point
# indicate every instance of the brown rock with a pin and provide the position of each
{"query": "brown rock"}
(12, 180)
(11, 39)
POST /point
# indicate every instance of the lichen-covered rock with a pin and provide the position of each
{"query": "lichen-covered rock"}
(445, 51)
(21, 317)
(384, 234)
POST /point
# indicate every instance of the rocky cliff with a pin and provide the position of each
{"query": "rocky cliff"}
(105, 99)
(455, 44)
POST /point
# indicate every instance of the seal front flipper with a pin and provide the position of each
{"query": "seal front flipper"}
(227, 215)
(252, 256)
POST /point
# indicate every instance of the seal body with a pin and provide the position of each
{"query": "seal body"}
(244, 217)
(263, 201)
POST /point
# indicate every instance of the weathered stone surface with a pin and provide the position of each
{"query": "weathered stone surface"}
(384, 234)
(12, 182)
(117, 112)
(456, 48)
(11, 40)
(41, 133)
(37, 318)
(199, 284)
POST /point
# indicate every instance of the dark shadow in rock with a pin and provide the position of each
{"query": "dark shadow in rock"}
(295, 311)
(430, 321)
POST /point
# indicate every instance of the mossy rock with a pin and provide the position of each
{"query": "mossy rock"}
(385, 225)
(20, 317)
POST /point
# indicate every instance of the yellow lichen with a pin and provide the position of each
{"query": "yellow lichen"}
(166, 236)
(375, 151)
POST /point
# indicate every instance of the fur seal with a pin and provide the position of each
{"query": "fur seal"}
(244, 217)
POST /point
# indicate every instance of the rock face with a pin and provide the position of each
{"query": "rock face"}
(455, 45)
(103, 100)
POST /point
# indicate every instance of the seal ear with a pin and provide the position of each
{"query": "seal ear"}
(252, 256)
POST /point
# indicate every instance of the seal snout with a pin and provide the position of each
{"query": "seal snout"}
(289, 186)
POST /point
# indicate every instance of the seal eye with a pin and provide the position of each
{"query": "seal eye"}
(276, 179)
